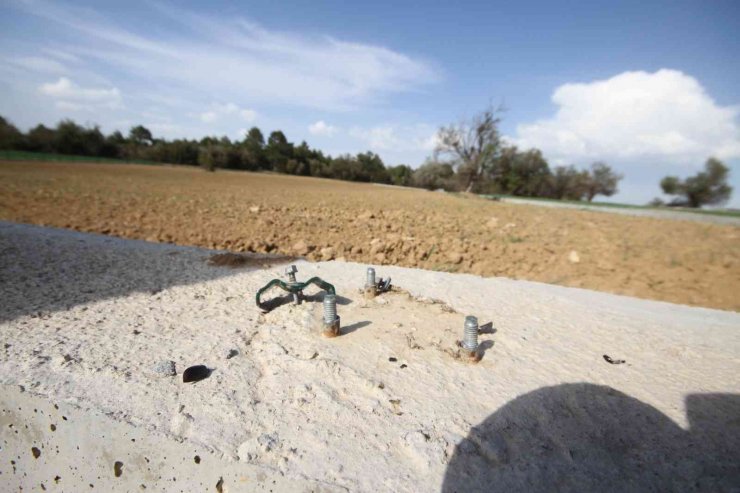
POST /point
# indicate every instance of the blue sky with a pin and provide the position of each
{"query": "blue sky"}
(653, 88)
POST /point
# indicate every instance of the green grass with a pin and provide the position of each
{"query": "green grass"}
(43, 156)
(711, 212)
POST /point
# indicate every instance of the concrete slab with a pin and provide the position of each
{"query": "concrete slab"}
(387, 406)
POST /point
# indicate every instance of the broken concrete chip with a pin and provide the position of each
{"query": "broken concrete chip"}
(165, 369)
(195, 373)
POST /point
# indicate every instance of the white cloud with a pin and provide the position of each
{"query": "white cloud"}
(665, 116)
(61, 54)
(397, 137)
(68, 106)
(38, 64)
(248, 115)
(237, 59)
(216, 111)
(71, 96)
(209, 116)
(321, 128)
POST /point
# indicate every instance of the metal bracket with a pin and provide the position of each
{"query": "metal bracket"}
(295, 288)
(383, 285)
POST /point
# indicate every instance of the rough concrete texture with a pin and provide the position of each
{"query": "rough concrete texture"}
(388, 406)
(59, 447)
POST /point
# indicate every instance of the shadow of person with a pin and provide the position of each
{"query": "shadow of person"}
(584, 437)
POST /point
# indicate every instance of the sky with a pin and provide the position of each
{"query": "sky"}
(651, 88)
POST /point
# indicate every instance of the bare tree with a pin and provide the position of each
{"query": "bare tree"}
(471, 146)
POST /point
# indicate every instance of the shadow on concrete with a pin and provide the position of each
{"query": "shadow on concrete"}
(44, 270)
(483, 347)
(355, 326)
(273, 298)
(583, 437)
(487, 328)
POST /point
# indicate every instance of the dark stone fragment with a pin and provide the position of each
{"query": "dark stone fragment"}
(196, 373)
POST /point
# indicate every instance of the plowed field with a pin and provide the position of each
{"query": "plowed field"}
(677, 261)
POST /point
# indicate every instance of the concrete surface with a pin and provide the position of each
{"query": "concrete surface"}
(388, 406)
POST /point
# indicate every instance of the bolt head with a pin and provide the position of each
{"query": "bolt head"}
(291, 270)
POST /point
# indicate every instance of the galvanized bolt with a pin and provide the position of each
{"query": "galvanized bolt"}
(470, 341)
(331, 319)
(371, 287)
(370, 280)
(290, 272)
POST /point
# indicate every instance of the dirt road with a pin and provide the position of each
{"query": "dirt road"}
(676, 261)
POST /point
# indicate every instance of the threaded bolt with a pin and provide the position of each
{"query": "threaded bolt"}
(470, 342)
(370, 282)
(290, 272)
(331, 320)
(330, 308)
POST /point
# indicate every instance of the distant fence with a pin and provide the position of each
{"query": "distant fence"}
(44, 156)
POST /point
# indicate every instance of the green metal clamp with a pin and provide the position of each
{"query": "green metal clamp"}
(293, 287)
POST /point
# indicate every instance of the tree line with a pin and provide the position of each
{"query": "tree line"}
(252, 153)
(469, 157)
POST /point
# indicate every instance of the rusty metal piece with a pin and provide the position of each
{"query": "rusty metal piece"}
(372, 287)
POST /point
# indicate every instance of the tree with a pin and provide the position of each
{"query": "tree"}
(400, 175)
(471, 146)
(567, 183)
(601, 181)
(41, 139)
(433, 175)
(372, 168)
(520, 173)
(708, 187)
(10, 137)
(254, 150)
(140, 135)
(212, 156)
(278, 151)
(70, 138)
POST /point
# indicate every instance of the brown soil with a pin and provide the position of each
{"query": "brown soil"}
(677, 261)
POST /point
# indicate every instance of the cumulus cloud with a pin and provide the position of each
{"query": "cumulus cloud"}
(321, 128)
(216, 111)
(72, 96)
(665, 116)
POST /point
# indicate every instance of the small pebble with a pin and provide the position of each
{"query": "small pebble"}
(165, 369)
